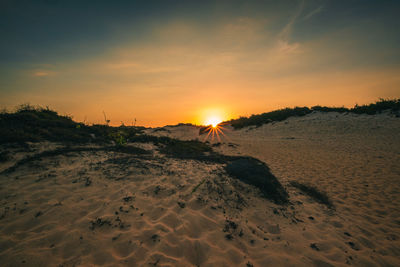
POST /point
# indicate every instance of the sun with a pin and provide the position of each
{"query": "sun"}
(213, 127)
(213, 121)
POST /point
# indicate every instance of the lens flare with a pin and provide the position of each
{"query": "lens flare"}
(213, 121)
(214, 129)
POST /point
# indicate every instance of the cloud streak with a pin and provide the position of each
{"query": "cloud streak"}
(313, 12)
(287, 30)
(41, 74)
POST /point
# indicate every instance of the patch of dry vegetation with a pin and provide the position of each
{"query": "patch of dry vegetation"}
(393, 105)
(36, 124)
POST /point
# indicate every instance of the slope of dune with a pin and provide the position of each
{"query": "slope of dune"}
(354, 158)
(99, 207)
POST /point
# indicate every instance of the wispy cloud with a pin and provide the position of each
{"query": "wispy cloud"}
(313, 12)
(41, 74)
(287, 30)
(288, 48)
(284, 44)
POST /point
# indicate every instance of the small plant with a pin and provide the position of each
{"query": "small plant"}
(119, 138)
(105, 119)
(197, 186)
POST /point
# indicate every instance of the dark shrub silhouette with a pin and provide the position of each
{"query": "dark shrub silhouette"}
(255, 172)
(282, 114)
(185, 149)
(277, 115)
(35, 124)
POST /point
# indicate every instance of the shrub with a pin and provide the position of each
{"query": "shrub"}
(377, 107)
(255, 172)
(185, 149)
(330, 109)
(118, 137)
(35, 124)
(282, 114)
(277, 115)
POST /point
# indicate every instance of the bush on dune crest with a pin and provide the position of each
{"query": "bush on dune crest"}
(36, 124)
(277, 115)
(282, 114)
(379, 106)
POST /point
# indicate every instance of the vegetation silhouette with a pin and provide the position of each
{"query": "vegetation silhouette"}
(255, 172)
(36, 124)
(393, 105)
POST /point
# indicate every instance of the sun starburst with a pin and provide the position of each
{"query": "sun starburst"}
(213, 121)
(214, 129)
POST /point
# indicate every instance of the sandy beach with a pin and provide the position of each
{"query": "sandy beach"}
(200, 133)
(93, 207)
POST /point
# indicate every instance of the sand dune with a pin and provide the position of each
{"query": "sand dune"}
(107, 208)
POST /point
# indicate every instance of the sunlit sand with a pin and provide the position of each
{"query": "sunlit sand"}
(160, 201)
(199, 133)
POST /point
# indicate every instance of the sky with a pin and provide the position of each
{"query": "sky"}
(166, 62)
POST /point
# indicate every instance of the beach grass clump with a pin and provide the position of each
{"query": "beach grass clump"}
(184, 149)
(377, 107)
(36, 124)
(330, 109)
(314, 193)
(192, 149)
(255, 172)
(393, 105)
(277, 115)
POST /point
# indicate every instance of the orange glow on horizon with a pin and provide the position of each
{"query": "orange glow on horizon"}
(212, 116)
(213, 121)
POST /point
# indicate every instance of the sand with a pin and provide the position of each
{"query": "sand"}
(112, 209)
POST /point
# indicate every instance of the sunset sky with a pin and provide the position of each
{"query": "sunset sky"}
(165, 62)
